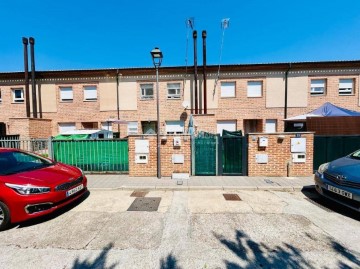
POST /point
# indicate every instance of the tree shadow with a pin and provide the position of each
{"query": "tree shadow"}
(260, 255)
(170, 262)
(346, 254)
(99, 262)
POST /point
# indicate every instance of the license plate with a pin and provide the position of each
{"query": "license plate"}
(74, 190)
(340, 191)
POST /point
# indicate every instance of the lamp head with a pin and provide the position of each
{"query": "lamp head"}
(157, 56)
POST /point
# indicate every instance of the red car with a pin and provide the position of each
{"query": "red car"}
(33, 186)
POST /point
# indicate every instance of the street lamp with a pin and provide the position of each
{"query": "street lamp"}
(157, 56)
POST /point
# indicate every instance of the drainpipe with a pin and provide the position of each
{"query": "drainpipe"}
(26, 71)
(195, 72)
(286, 92)
(33, 84)
(204, 70)
(117, 98)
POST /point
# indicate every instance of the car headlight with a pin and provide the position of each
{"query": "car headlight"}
(323, 168)
(28, 189)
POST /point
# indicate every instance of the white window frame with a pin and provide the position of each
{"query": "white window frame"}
(270, 125)
(229, 125)
(66, 93)
(132, 127)
(144, 88)
(18, 99)
(66, 126)
(254, 88)
(176, 87)
(346, 86)
(317, 86)
(227, 89)
(175, 127)
(106, 125)
(90, 93)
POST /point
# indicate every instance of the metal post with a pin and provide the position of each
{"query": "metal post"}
(26, 69)
(195, 72)
(158, 123)
(33, 84)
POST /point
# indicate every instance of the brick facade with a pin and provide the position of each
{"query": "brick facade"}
(240, 108)
(30, 128)
(167, 150)
(280, 159)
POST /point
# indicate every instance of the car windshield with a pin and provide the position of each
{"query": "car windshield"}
(356, 155)
(12, 162)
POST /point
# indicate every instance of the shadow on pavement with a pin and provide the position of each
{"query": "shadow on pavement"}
(54, 214)
(328, 205)
(259, 255)
(99, 262)
(170, 262)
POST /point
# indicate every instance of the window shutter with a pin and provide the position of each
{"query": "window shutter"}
(254, 88)
(228, 89)
(66, 94)
(90, 93)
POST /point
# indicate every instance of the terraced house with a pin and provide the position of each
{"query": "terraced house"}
(247, 97)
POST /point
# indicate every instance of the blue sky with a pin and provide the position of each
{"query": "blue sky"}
(89, 34)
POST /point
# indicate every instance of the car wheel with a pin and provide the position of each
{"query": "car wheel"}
(4, 216)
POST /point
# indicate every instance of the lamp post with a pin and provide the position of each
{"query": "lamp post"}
(157, 56)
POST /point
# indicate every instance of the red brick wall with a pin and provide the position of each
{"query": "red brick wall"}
(30, 128)
(279, 156)
(167, 149)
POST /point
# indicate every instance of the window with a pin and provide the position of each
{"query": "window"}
(174, 127)
(66, 94)
(65, 127)
(270, 126)
(147, 91)
(89, 125)
(228, 125)
(18, 95)
(227, 89)
(317, 86)
(173, 90)
(148, 127)
(0, 96)
(132, 127)
(254, 89)
(346, 86)
(106, 125)
(90, 93)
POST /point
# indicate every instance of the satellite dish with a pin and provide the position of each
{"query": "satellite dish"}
(185, 104)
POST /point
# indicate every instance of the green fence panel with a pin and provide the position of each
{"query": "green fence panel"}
(205, 155)
(232, 155)
(329, 148)
(93, 155)
(320, 151)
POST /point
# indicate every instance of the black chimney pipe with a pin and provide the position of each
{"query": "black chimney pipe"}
(204, 70)
(195, 71)
(33, 84)
(26, 71)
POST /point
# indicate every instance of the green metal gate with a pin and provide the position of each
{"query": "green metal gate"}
(232, 155)
(329, 148)
(219, 155)
(204, 149)
(93, 155)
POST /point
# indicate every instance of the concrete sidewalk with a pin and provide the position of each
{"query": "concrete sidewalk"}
(124, 182)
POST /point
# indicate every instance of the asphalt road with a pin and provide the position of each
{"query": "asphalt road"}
(189, 229)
